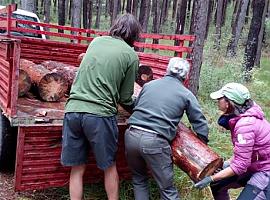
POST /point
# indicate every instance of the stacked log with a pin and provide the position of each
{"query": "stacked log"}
(51, 86)
(193, 156)
(24, 83)
(67, 71)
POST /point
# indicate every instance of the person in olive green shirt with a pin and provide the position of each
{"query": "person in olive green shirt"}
(105, 79)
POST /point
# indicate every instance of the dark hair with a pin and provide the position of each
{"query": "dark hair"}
(238, 109)
(144, 69)
(126, 27)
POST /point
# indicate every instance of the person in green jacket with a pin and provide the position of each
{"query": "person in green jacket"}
(105, 79)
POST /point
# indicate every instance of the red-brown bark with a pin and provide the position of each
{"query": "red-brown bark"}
(51, 86)
(67, 71)
(24, 83)
(192, 155)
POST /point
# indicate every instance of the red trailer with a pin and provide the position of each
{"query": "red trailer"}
(35, 139)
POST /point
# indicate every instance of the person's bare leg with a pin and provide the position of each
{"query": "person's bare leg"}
(111, 180)
(76, 182)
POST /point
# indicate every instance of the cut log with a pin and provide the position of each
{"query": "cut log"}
(24, 83)
(192, 155)
(67, 71)
(51, 86)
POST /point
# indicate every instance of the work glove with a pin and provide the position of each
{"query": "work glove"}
(204, 182)
(226, 164)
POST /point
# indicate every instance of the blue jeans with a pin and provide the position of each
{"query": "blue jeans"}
(149, 150)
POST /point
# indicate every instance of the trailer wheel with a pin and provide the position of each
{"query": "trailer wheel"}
(8, 142)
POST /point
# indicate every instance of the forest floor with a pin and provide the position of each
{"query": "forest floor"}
(7, 191)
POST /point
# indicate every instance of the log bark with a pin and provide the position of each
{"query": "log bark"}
(49, 85)
(192, 155)
(24, 83)
(65, 70)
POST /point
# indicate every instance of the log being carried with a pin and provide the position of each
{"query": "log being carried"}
(192, 155)
(51, 86)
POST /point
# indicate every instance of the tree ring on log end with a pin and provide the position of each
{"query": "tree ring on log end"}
(52, 87)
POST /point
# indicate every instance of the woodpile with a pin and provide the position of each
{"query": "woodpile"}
(50, 86)
(193, 156)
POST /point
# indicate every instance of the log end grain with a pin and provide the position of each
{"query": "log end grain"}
(210, 168)
(52, 87)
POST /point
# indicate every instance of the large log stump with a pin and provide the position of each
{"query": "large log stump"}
(192, 155)
(51, 86)
(24, 83)
(67, 71)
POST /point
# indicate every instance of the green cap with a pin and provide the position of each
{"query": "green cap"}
(236, 92)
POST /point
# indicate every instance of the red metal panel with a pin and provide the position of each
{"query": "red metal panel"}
(41, 50)
(38, 159)
(9, 54)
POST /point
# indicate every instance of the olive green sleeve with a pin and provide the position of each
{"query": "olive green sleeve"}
(127, 86)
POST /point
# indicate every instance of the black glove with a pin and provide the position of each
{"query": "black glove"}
(204, 182)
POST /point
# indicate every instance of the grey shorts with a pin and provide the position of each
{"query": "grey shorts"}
(83, 132)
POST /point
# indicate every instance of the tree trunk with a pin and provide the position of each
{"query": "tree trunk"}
(50, 86)
(192, 155)
(123, 6)
(181, 18)
(199, 27)
(98, 13)
(209, 17)
(260, 38)
(236, 32)
(247, 13)
(67, 9)
(70, 12)
(189, 9)
(128, 7)
(85, 13)
(235, 12)
(224, 12)
(164, 12)
(174, 9)
(90, 12)
(61, 14)
(47, 14)
(24, 83)
(156, 19)
(28, 5)
(76, 14)
(114, 11)
(219, 17)
(134, 7)
(252, 42)
(144, 14)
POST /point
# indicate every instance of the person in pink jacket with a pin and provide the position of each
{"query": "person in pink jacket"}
(249, 167)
